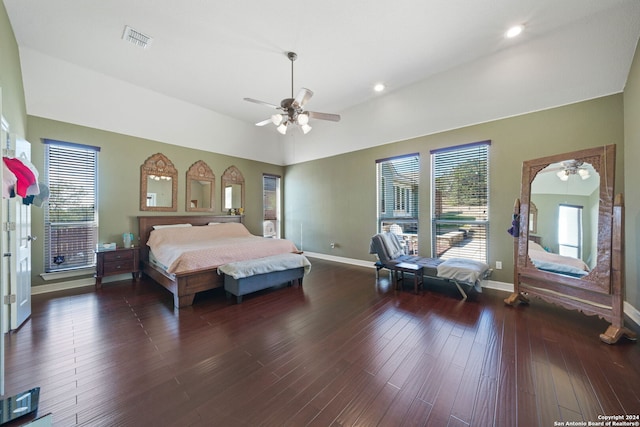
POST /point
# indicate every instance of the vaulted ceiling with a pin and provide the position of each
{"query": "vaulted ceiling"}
(445, 64)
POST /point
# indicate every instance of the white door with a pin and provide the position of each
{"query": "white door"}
(20, 281)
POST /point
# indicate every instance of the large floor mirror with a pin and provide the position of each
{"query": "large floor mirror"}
(569, 247)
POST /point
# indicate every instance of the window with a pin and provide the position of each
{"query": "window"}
(570, 231)
(271, 205)
(71, 216)
(397, 182)
(460, 201)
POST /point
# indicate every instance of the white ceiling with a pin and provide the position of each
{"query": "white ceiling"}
(443, 60)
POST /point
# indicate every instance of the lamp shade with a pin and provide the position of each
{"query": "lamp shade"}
(303, 119)
(276, 119)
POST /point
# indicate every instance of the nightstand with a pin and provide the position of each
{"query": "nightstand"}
(117, 261)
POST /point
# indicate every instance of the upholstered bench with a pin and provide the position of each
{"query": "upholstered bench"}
(244, 277)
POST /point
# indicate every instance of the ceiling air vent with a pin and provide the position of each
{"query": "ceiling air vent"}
(136, 37)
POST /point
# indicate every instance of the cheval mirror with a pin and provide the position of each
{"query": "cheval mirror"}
(158, 184)
(200, 188)
(569, 247)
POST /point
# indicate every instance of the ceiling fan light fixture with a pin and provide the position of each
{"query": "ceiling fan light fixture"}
(379, 87)
(276, 119)
(302, 119)
(306, 128)
(282, 128)
(584, 173)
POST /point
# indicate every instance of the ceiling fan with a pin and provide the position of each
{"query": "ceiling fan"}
(293, 108)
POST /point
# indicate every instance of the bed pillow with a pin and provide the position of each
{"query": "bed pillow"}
(158, 227)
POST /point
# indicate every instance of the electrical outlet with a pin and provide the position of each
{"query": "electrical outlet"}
(498, 265)
(333, 245)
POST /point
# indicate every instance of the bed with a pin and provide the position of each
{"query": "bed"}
(185, 277)
(555, 263)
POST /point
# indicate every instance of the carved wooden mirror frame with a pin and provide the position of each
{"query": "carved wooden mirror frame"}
(603, 161)
(232, 176)
(200, 172)
(601, 291)
(161, 167)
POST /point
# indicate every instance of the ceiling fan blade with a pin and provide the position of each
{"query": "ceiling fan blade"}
(264, 122)
(302, 97)
(324, 116)
(261, 103)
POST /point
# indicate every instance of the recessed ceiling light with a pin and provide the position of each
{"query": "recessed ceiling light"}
(379, 87)
(514, 31)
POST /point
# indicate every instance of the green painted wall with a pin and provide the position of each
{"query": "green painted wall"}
(119, 164)
(632, 178)
(13, 103)
(334, 199)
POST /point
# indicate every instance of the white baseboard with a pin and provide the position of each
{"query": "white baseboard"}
(73, 284)
(629, 310)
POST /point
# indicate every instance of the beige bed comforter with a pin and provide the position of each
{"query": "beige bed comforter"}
(209, 246)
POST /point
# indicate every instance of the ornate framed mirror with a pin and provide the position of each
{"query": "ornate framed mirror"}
(571, 258)
(200, 188)
(232, 190)
(158, 184)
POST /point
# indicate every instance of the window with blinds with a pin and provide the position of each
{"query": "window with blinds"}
(398, 195)
(570, 230)
(71, 215)
(271, 205)
(460, 201)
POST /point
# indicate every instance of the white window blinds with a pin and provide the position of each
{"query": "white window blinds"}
(398, 196)
(460, 201)
(71, 214)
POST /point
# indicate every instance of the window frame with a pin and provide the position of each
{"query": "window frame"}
(84, 235)
(398, 197)
(267, 214)
(458, 231)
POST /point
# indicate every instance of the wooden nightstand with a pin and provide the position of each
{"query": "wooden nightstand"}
(117, 261)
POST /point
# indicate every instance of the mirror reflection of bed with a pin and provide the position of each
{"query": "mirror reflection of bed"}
(570, 242)
(564, 218)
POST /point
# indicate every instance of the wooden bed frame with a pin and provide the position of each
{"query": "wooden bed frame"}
(183, 286)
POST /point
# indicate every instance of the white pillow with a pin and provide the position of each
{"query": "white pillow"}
(214, 223)
(157, 227)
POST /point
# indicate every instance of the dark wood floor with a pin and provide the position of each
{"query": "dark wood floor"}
(344, 349)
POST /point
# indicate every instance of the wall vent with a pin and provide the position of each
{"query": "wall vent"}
(136, 37)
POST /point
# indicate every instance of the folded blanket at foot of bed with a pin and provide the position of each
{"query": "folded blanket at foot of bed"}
(252, 267)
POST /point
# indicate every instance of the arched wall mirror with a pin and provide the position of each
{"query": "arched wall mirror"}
(158, 184)
(232, 190)
(200, 188)
(569, 247)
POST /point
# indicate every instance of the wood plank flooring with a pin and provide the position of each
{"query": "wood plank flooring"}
(344, 349)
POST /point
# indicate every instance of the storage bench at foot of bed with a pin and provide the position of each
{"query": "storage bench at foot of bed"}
(244, 277)
(247, 285)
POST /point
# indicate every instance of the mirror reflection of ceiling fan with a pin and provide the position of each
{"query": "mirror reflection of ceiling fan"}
(569, 167)
(293, 112)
